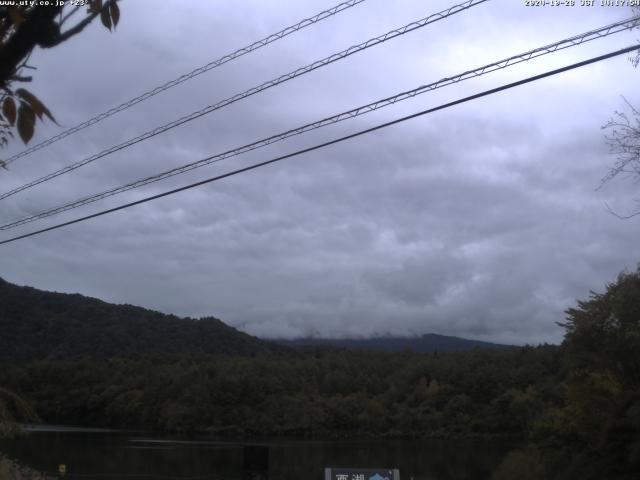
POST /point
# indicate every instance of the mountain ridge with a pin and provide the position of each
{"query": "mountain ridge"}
(41, 324)
(38, 324)
(426, 343)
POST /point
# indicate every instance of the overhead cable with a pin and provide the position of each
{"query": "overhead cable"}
(188, 76)
(331, 142)
(252, 91)
(361, 110)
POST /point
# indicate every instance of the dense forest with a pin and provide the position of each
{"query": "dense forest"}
(577, 405)
(310, 394)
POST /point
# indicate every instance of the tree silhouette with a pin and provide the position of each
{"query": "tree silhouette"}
(624, 142)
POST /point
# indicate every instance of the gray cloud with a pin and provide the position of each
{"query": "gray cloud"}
(481, 221)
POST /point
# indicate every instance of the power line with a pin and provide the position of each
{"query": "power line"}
(510, 61)
(332, 142)
(188, 76)
(252, 91)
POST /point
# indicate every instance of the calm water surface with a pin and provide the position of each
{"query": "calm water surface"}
(113, 455)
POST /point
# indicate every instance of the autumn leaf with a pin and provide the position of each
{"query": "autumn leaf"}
(95, 6)
(26, 122)
(9, 110)
(36, 105)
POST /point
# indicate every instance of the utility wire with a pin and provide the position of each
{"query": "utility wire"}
(332, 142)
(252, 91)
(188, 76)
(501, 64)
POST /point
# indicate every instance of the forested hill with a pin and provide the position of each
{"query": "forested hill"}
(38, 324)
(425, 344)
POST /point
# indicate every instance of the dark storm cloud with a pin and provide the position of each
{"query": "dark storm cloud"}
(481, 221)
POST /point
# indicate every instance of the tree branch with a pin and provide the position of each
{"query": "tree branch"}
(19, 78)
(80, 25)
(28, 34)
(621, 217)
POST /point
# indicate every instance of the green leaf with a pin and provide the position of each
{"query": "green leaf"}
(26, 122)
(9, 110)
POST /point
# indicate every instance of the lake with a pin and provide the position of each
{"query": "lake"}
(118, 455)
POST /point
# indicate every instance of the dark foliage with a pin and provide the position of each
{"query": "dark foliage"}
(336, 394)
(595, 434)
(82, 361)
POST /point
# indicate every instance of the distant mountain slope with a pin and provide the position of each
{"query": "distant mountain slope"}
(425, 344)
(39, 324)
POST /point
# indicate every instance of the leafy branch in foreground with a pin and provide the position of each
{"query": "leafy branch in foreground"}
(23, 28)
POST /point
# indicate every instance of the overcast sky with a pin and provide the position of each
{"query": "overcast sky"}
(482, 220)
